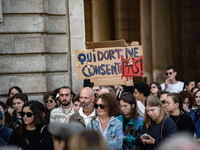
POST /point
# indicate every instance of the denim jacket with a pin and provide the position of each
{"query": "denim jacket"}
(114, 129)
(195, 114)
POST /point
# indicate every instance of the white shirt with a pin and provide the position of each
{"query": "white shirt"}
(86, 118)
(59, 114)
(140, 108)
(173, 88)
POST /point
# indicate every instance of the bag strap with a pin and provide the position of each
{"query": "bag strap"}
(128, 129)
(92, 124)
(162, 127)
(41, 130)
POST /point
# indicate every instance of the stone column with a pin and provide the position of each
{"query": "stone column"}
(101, 20)
(161, 38)
(146, 38)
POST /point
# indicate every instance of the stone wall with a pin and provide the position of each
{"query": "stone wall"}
(37, 43)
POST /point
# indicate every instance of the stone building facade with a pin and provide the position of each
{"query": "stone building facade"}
(37, 43)
(38, 38)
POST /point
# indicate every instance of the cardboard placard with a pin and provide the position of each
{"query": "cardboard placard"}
(117, 64)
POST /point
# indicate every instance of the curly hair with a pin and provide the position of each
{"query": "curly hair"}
(46, 95)
(186, 94)
(142, 88)
(110, 102)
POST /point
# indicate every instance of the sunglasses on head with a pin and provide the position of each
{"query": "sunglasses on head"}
(170, 73)
(163, 101)
(153, 87)
(28, 114)
(46, 101)
(100, 105)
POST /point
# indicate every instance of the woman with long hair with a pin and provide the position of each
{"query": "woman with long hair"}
(187, 100)
(188, 85)
(18, 100)
(174, 107)
(110, 127)
(32, 134)
(11, 92)
(156, 125)
(132, 122)
(195, 113)
(155, 88)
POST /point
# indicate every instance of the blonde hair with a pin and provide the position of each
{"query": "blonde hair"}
(153, 101)
(87, 139)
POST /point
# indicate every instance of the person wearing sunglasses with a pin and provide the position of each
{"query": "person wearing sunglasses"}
(132, 122)
(174, 107)
(171, 84)
(163, 95)
(155, 88)
(109, 126)
(49, 100)
(33, 132)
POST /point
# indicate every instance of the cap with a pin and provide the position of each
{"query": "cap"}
(65, 130)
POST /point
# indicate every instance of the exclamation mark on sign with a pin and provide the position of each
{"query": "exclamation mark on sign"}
(141, 64)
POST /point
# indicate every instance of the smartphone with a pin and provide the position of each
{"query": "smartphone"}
(145, 136)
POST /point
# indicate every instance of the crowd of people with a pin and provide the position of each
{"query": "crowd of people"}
(142, 117)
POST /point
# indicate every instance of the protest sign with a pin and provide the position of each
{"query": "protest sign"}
(116, 65)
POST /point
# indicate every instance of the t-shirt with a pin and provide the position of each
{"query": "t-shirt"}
(140, 108)
(173, 88)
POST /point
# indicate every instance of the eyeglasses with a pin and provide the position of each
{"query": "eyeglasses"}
(153, 87)
(170, 73)
(167, 103)
(163, 101)
(28, 114)
(100, 105)
(46, 101)
(125, 106)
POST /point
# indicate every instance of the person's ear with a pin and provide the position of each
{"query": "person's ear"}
(177, 104)
(159, 107)
(133, 105)
(93, 98)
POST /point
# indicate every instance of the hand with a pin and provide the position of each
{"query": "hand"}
(167, 81)
(115, 139)
(149, 141)
(67, 119)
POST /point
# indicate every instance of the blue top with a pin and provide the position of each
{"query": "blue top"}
(5, 134)
(169, 128)
(113, 130)
(195, 114)
(137, 124)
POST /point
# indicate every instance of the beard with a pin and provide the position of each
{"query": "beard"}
(65, 104)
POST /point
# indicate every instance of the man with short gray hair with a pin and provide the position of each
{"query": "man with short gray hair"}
(87, 112)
